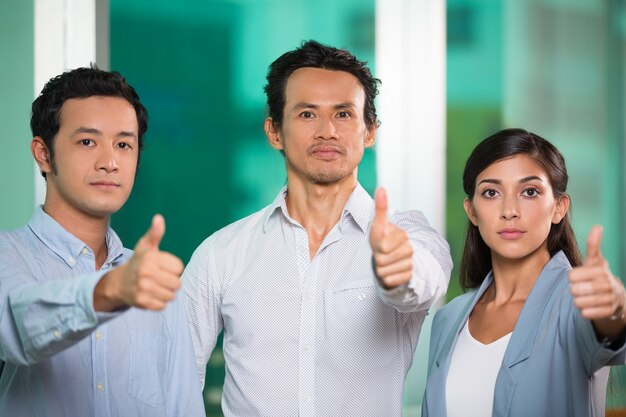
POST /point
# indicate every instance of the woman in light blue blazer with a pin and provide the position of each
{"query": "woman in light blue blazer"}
(538, 327)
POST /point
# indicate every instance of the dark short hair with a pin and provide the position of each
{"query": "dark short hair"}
(476, 258)
(81, 83)
(313, 54)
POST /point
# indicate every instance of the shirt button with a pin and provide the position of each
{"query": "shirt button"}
(100, 387)
(361, 296)
(306, 398)
(98, 335)
(307, 296)
(57, 334)
(307, 347)
(84, 251)
(302, 248)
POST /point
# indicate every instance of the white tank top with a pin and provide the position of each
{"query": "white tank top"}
(472, 375)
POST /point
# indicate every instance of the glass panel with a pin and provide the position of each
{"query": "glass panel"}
(16, 162)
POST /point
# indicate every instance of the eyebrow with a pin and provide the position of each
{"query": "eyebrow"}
(93, 131)
(304, 105)
(523, 180)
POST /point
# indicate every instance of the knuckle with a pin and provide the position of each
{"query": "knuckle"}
(384, 247)
(143, 284)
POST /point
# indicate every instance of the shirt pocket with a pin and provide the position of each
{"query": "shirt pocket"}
(148, 366)
(361, 328)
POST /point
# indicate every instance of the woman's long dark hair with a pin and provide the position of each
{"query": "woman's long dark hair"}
(476, 259)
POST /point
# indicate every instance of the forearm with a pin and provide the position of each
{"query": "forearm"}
(42, 319)
(106, 296)
(610, 330)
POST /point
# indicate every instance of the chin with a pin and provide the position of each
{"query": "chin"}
(327, 177)
(104, 210)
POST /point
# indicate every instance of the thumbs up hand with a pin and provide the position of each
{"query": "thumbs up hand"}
(597, 293)
(148, 280)
(391, 248)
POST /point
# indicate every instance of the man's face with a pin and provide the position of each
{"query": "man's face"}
(95, 157)
(323, 133)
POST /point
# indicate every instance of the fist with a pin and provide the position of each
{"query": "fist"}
(597, 293)
(391, 248)
(148, 280)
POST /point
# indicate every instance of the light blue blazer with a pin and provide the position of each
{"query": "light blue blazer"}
(553, 366)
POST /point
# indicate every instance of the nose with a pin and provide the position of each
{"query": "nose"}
(107, 159)
(326, 129)
(509, 208)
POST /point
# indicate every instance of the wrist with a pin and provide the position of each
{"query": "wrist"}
(106, 296)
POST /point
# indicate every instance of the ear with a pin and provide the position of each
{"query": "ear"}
(273, 134)
(469, 210)
(370, 136)
(562, 205)
(40, 152)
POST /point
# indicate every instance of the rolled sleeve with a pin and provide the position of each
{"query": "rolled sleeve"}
(49, 317)
(427, 284)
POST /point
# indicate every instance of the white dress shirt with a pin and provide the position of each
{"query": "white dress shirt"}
(310, 337)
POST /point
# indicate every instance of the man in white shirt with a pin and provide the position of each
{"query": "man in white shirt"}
(320, 296)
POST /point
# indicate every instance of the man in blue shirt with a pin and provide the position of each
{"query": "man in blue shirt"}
(87, 327)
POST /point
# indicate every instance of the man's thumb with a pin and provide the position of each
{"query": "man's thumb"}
(152, 238)
(379, 225)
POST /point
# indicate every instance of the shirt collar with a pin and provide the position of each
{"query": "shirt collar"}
(64, 244)
(359, 207)
(279, 203)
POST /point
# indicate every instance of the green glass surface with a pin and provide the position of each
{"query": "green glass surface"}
(16, 72)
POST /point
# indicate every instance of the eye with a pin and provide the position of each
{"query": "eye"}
(343, 114)
(530, 192)
(124, 145)
(489, 193)
(306, 115)
(87, 142)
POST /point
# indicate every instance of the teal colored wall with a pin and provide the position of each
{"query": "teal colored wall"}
(16, 96)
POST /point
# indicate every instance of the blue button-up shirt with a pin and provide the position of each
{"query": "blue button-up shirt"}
(311, 337)
(64, 358)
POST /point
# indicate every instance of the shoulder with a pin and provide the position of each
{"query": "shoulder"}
(453, 309)
(240, 230)
(230, 240)
(17, 241)
(409, 219)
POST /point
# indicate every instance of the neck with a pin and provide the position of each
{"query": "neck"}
(89, 229)
(318, 207)
(513, 279)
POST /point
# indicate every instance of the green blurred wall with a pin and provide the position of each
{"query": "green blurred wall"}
(16, 73)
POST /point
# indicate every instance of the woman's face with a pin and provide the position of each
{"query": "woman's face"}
(514, 207)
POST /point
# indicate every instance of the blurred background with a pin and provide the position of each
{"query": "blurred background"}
(453, 72)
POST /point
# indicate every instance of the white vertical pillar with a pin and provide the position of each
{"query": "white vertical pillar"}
(411, 62)
(410, 150)
(65, 38)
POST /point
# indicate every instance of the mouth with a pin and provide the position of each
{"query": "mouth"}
(511, 234)
(326, 152)
(105, 185)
